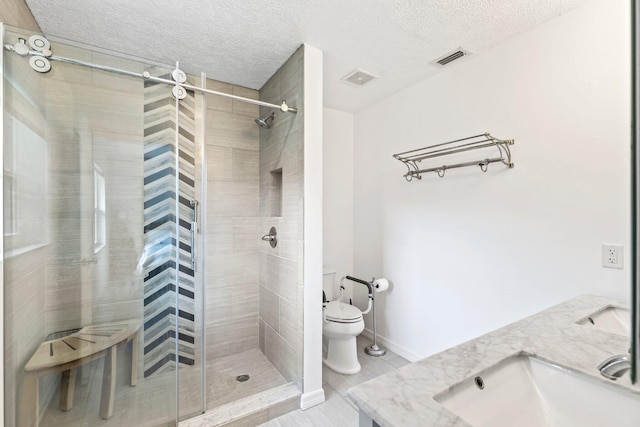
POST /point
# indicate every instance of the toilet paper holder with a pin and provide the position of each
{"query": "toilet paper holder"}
(374, 349)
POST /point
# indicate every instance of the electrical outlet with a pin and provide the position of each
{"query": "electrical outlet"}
(612, 256)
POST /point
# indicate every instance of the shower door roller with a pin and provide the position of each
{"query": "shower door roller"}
(271, 237)
(40, 64)
(179, 76)
(179, 92)
(39, 43)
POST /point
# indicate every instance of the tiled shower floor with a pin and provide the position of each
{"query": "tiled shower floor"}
(221, 377)
(151, 402)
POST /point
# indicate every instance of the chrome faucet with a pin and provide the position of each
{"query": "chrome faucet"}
(615, 366)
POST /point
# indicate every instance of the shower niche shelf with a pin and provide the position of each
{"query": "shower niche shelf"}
(461, 149)
(275, 193)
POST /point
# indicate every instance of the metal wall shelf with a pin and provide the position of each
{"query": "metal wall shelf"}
(412, 159)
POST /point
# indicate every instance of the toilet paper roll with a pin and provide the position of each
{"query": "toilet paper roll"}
(380, 285)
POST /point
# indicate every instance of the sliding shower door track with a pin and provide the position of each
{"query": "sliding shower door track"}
(22, 49)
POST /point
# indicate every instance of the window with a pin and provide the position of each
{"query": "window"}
(10, 188)
(25, 202)
(99, 210)
(11, 204)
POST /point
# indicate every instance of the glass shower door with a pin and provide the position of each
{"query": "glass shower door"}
(90, 256)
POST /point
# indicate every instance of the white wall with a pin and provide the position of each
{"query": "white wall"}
(473, 251)
(337, 201)
(312, 393)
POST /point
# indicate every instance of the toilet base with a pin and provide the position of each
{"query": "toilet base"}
(342, 356)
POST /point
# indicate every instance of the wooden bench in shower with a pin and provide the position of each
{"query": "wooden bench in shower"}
(67, 353)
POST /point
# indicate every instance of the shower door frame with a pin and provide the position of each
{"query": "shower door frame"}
(2, 28)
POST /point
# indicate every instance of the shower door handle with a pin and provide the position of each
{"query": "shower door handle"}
(194, 234)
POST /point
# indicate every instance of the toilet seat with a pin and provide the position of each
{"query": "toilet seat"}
(340, 312)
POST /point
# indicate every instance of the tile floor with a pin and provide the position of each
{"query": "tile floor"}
(152, 401)
(338, 410)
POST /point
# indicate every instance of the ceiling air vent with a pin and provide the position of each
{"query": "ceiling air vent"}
(450, 57)
(359, 77)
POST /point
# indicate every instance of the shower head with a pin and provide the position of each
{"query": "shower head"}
(266, 122)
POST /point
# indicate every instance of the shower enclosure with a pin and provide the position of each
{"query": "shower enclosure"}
(137, 288)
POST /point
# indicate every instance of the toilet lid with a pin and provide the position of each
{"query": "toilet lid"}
(341, 312)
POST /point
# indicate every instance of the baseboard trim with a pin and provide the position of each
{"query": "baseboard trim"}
(311, 399)
(397, 349)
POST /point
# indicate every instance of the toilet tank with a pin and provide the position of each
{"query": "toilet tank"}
(328, 280)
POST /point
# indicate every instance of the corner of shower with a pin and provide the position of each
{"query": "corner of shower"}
(131, 236)
(253, 303)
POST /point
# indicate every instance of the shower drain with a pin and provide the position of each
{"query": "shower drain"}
(242, 378)
(479, 382)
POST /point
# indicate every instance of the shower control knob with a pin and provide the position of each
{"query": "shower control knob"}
(271, 237)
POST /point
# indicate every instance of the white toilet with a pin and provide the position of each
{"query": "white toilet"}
(342, 323)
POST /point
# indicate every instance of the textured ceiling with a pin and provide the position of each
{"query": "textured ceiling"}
(245, 41)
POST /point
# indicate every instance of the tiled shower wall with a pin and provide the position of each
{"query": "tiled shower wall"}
(281, 206)
(160, 155)
(16, 12)
(87, 120)
(87, 284)
(25, 249)
(232, 218)
(55, 278)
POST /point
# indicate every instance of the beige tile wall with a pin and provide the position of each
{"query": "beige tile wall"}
(253, 292)
(25, 251)
(233, 233)
(16, 12)
(53, 278)
(281, 296)
(93, 119)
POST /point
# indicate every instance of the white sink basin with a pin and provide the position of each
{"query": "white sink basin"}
(615, 320)
(525, 391)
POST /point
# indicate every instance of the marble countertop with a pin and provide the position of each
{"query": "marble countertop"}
(405, 397)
